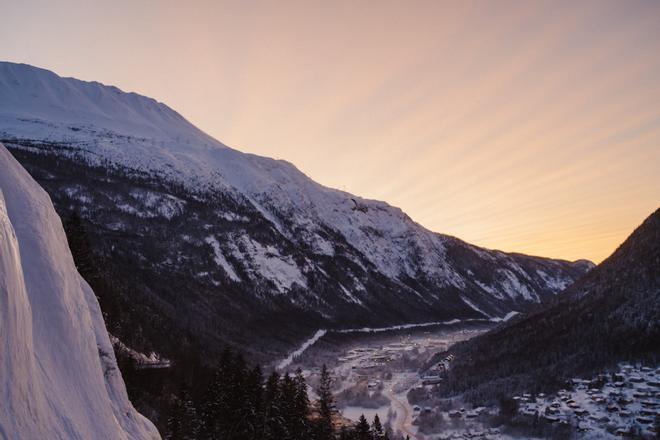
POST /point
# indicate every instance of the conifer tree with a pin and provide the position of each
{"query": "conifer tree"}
(377, 428)
(362, 429)
(183, 423)
(326, 406)
(273, 428)
(301, 405)
(78, 239)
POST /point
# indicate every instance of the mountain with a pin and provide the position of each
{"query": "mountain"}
(58, 374)
(195, 243)
(609, 316)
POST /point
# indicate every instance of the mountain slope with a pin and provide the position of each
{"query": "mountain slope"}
(609, 316)
(58, 374)
(212, 241)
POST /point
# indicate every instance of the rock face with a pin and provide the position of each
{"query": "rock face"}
(611, 315)
(208, 241)
(58, 374)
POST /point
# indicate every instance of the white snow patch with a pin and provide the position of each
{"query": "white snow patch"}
(268, 262)
(305, 345)
(474, 306)
(221, 260)
(554, 283)
(507, 317)
(350, 295)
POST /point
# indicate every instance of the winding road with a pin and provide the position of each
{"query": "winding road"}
(403, 422)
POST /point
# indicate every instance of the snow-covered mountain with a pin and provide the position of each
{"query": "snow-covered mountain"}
(609, 316)
(229, 237)
(58, 374)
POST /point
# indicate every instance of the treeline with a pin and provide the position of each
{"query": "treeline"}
(240, 403)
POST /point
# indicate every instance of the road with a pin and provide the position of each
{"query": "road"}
(403, 422)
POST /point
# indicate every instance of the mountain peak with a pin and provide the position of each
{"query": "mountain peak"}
(41, 96)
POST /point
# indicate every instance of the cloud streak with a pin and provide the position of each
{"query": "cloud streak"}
(524, 126)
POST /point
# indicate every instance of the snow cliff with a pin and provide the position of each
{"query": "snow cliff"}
(58, 374)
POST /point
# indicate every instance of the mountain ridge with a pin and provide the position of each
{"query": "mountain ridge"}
(251, 234)
(608, 316)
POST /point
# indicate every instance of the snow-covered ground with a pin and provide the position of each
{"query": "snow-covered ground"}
(607, 407)
(58, 374)
(384, 365)
(320, 333)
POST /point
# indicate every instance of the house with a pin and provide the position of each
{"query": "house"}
(431, 380)
(581, 412)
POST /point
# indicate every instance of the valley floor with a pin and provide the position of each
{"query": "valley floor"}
(374, 369)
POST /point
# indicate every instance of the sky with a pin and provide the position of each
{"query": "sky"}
(524, 126)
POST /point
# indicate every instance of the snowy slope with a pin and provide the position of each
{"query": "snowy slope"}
(58, 374)
(244, 230)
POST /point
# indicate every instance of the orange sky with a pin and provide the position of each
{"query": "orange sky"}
(525, 126)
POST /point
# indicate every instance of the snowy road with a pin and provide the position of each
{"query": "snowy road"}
(403, 422)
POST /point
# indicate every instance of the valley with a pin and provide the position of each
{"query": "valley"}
(192, 290)
(375, 369)
(393, 373)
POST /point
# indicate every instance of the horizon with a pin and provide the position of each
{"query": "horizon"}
(569, 211)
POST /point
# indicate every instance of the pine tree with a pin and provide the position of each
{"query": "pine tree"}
(326, 406)
(274, 425)
(377, 428)
(326, 399)
(81, 249)
(175, 421)
(254, 404)
(301, 406)
(362, 429)
(183, 423)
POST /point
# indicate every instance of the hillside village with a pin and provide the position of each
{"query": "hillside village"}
(377, 377)
(624, 404)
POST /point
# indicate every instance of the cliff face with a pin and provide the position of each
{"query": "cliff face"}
(58, 374)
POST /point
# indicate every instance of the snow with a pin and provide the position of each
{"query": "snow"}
(354, 412)
(305, 345)
(221, 260)
(349, 295)
(139, 133)
(109, 127)
(474, 306)
(58, 374)
(514, 288)
(267, 261)
(155, 204)
(400, 326)
(555, 283)
(506, 317)
(322, 332)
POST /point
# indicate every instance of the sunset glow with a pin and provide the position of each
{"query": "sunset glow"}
(529, 127)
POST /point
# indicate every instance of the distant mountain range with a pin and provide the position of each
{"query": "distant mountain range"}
(193, 244)
(611, 315)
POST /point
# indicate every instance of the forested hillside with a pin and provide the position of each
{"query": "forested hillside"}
(611, 315)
